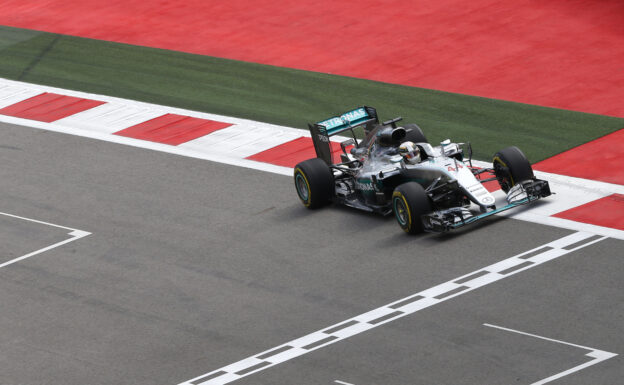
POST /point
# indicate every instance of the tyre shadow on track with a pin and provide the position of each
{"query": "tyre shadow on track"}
(385, 228)
(433, 239)
(356, 218)
(362, 220)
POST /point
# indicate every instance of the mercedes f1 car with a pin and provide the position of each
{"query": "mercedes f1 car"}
(394, 169)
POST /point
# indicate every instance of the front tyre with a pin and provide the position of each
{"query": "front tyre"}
(409, 203)
(511, 167)
(314, 182)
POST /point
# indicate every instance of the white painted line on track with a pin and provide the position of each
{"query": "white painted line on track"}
(342, 382)
(567, 224)
(37, 221)
(74, 233)
(597, 355)
(397, 309)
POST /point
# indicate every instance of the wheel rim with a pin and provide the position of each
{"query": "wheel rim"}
(400, 211)
(503, 177)
(302, 187)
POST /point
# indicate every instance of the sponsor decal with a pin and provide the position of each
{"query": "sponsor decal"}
(477, 190)
(345, 119)
(487, 200)
(331, 123)
(323, 138)
(354, 115)
(451, 168)
(364, 186)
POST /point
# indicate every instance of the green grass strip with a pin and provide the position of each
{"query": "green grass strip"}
(287, 96)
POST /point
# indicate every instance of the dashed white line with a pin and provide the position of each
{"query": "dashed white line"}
(396, 309)
(597, 355)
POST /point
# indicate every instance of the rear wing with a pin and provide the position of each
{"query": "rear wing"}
(323, 130)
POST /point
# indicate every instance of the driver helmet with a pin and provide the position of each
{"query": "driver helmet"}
(410, 152)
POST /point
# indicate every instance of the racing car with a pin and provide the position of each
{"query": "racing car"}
(394, 169)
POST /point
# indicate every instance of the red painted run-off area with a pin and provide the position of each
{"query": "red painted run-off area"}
(558, 53)
(607, 212)
(601, 159)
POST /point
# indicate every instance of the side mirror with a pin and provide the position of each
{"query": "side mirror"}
(392, 122)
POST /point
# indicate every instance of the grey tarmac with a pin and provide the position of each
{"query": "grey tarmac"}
(193, 265)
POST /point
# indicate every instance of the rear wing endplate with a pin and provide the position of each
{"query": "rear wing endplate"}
(323, 130)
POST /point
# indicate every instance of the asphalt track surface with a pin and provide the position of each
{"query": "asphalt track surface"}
(193, 265)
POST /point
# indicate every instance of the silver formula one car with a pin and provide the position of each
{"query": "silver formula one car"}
(394, 169)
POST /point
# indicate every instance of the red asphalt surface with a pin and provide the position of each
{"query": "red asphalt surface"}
(608, 212)
(601, 159)
(559, 53)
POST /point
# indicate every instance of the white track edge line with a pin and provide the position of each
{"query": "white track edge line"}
(150, 145)
(578, 183)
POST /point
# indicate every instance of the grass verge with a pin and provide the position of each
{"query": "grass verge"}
(287, 96)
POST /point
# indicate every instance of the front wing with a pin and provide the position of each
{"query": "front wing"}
(454, 218)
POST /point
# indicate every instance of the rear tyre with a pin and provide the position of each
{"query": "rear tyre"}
(415, 135)
(314, 182)
(409, 203)
(511, 167)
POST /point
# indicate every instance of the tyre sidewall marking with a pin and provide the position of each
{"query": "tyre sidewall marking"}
(300, 172)
(399, 195)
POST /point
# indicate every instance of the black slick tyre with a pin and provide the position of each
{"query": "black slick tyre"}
(511, 167)
(415, 135)
(409, 203)
(314, 182)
